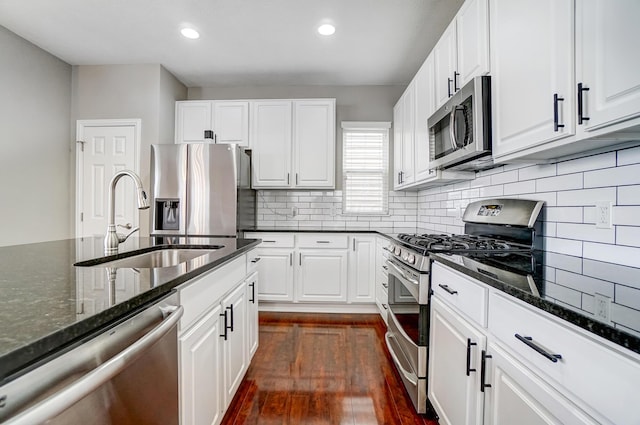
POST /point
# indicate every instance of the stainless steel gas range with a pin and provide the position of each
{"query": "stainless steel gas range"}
(501, 236)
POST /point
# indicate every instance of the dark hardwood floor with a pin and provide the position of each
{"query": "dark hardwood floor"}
(322, 369)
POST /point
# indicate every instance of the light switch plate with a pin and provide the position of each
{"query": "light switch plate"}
(603, 214)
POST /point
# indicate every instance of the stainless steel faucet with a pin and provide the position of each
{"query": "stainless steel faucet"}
(112, 240)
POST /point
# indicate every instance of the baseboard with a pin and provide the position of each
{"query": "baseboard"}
(318, 308)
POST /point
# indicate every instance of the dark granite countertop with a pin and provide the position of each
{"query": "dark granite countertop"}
(558, 303)
(311, 230)
(47, 303)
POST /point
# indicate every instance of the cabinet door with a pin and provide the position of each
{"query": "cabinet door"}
(192, 119)
(454, 367)
(231, 121)
(201, 396)
(444, 55)
(531, 61)
(276, 274)
(234, 348)
(518, 396)
(314, 138)
(271, 144)
(397, 143)
(472, 41)
(322, 275)
(607, 60)
(425, 106)
(362, 269)
(252, 314)
(408, 128)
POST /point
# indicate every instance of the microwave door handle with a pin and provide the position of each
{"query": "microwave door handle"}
(452, 129)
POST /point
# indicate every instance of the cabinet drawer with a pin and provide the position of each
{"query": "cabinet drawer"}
(602, 378)
(253, 258)
(273, 240)
(322, 240)
(199, 295)
(459, 291)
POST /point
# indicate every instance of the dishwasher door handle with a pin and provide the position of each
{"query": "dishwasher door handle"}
(68, 396)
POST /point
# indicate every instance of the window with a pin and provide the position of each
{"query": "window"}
(365, 168)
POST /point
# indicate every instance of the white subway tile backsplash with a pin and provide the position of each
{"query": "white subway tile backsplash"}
(629, 195)
(626, 316)
(629, 156)
(588, 163)
(628, 235)
(506, 177)
(626, 216)
(563, 246)
(565, 182)
(491, 191)
(618, 176)
(537, 171)
(563, 262)
(520, 187)
(627, 256)
(564, 214)
(586, 232)
(586, 197)
(629, 297)
(614, 272)
(563, 293)
(584, 284)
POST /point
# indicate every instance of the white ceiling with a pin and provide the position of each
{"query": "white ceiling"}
(243, 42)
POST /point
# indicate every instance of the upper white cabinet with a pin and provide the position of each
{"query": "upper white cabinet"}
(463, 50)
(425, 105)
(293, 143)
(404, 121)
(314, 132)
(213, 121)
(563, 79)
(271, 135)
(532, 73)
(607, 62)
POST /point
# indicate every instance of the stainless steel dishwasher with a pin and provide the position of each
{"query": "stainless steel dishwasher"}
(127, 374)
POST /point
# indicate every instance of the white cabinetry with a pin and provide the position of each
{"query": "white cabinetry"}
(201, 395)
(214, 341)
(535, 369)
(234, 346)
(218, 121)
(531, 67)
(463, 50)
(252, 314)
(607, 61)
(323, 272)
(362, 270)
(293, 143)
(382, 277)
(424, 106)
(561, 83)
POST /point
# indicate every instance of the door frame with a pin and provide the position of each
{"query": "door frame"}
(80, 129)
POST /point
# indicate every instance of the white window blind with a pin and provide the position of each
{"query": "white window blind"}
(365, 168)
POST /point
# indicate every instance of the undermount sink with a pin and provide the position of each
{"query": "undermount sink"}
(167, 257)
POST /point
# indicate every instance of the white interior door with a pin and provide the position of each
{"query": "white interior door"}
(105, 147)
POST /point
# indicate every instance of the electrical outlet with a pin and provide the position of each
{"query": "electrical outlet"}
(603, 308)
(603, 214)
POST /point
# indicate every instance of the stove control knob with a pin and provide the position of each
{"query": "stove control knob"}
(412, 259)
(405, 256)
(397, 250)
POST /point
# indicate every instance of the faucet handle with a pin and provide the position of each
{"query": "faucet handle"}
(125, 226)
(122, 238)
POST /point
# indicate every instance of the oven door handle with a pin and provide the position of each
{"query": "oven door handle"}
(407, 374)
(401, 273)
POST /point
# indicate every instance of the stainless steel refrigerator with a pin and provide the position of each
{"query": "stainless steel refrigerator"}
(200, 189)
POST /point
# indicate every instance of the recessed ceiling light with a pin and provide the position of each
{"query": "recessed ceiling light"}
(190, 33)
(326, 29)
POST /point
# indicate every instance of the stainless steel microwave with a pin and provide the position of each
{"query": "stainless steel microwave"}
(460, 131)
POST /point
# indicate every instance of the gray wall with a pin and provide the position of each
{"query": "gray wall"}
(353, 103)
(35, 100)
(143, 91)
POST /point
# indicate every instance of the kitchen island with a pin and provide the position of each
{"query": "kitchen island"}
(48, 304)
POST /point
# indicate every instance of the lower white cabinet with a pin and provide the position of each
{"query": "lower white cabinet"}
(518, 396)
(233, 319)
(201, 395)
(252, 313)
(362, 270)
(218, 335)
(276, 269)
(454, 367)
(382, 278)
(322, 275)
